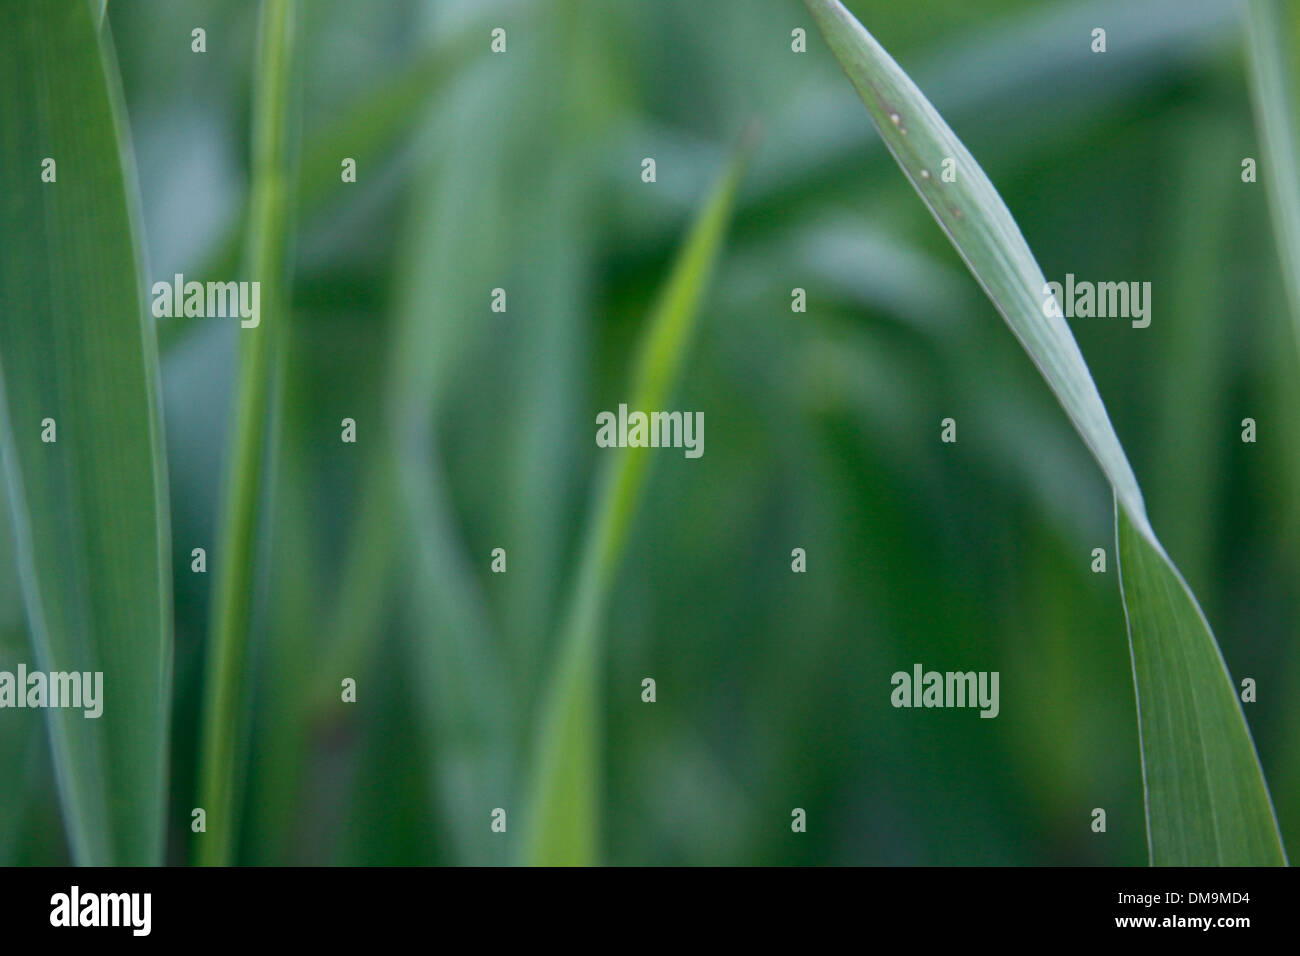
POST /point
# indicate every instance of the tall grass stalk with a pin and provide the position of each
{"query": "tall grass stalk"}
(268, 239)
(564, 808)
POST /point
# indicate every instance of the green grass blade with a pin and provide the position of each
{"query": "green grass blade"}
(1206, 799)
(981, 228)
(1273, 30)
(268, 242)
(77, 345)
(564, 811)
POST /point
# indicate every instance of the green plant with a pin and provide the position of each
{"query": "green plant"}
(373, 563)
(81, 424)
(259, 371)
(1206, 799)
(565, 800)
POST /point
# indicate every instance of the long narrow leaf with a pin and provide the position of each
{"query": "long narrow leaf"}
(564, 810)
(77, 347)
(232, 615)
(1206, 799)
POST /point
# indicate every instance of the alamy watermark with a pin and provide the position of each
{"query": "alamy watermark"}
(654, 430)
(83, 690)
(1102, 300)
(922, 688)
(130, 910)
(213, 300)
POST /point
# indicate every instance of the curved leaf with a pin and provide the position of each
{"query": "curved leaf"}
(1206, 799)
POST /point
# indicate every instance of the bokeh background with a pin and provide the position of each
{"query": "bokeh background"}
(476, 428)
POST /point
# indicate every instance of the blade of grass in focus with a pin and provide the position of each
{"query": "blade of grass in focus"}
(1273, 31)
(1207, 802)
(1206, 799)
(235, 582)
(77, 346)
(564, 810)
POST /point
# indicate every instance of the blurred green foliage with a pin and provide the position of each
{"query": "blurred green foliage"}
(475, 428)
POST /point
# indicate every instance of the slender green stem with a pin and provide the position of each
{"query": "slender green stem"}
(565, 805)
(232, 609)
